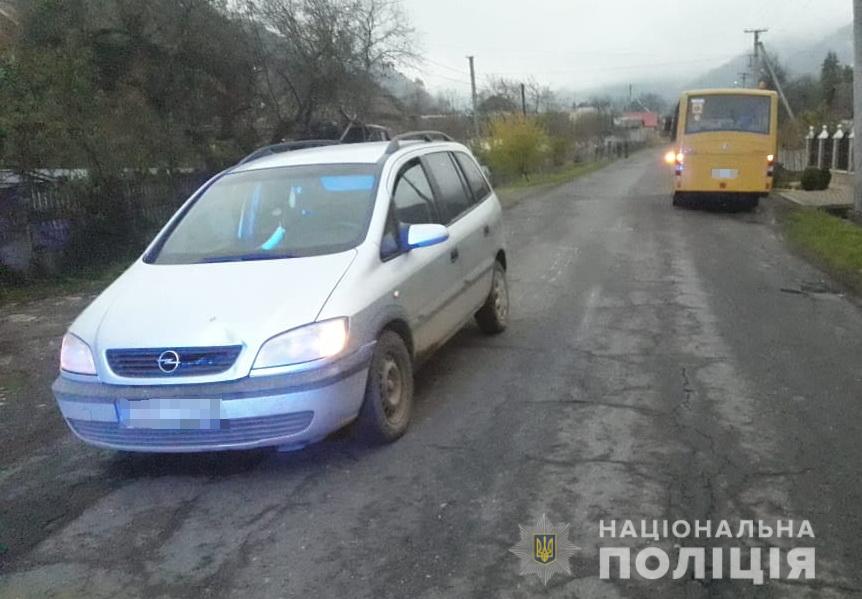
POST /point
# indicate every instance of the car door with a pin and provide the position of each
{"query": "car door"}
(456, 207)
(426, 279)
(484, 225)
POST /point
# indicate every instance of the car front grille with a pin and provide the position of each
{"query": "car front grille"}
(231, 432)
(193, 361)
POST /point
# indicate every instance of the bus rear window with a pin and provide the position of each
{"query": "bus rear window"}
(748, 114)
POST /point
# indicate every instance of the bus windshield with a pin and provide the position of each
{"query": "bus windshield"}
(726, 112)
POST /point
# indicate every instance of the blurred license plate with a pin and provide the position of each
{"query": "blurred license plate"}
(170, 414)
(724, 173)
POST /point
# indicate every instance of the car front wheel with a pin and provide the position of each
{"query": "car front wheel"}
(388, 405)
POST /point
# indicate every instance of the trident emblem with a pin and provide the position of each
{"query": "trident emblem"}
(546, 548)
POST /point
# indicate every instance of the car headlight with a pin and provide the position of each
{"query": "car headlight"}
(75, 356)
(305, 344)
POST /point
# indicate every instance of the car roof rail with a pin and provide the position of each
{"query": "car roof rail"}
(287, 146)
(395, 142)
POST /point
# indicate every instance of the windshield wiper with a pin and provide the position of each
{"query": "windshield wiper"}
(247, 257)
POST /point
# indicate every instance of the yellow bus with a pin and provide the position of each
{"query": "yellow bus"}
(725, 145)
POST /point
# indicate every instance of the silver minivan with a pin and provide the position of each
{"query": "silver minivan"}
(290, 296)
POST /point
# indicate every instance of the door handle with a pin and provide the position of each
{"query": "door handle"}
(454, 255)
(486, 230)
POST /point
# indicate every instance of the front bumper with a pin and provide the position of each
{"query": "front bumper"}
(290, 409)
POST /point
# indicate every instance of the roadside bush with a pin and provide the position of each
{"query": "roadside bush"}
(10, 278)
(784, 177)
(559, 151)
(517, 146)
(815, 179)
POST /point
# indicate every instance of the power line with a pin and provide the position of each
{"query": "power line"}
(614, 68)
(445, 66)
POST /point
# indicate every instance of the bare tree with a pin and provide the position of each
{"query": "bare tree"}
(541, 98)
(321, 57)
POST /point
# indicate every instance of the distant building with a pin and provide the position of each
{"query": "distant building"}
(638, 120)
(582, 111)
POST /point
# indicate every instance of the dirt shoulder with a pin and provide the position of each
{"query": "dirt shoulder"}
(831, 243)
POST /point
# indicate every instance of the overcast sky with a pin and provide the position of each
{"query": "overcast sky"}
(580, 44)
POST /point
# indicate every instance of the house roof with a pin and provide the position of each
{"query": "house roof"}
(649, 119)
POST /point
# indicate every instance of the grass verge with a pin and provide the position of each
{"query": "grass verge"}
(833, 243)
(89, 281)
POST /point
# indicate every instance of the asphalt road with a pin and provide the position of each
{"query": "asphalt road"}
(660, 364)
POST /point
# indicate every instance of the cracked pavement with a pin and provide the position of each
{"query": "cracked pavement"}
(654, 369)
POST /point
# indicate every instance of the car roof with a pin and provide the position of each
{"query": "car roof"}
(359, 153)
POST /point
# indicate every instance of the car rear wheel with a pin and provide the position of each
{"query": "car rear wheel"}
(388, 405)
(493, 317)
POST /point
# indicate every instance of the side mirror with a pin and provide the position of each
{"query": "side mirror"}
(423, 236)
(487, 172)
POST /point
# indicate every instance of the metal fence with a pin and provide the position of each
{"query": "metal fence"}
(40, 219)
(793, 160)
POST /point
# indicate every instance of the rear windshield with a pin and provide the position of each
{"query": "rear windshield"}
(286, 212)
(747, 114)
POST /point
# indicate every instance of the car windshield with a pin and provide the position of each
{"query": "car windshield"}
(725, 112)
(274, 213)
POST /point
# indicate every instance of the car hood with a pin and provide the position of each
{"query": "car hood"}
(197, 305)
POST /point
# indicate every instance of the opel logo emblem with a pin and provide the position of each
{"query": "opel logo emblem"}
(169, 361)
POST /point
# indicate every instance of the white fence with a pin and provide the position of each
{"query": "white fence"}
(832, 150)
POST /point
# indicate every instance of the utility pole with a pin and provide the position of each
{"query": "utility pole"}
(756, 33)
(775, 80)
(524, 99)
(744, 77)
(475, 100)
(857, 104)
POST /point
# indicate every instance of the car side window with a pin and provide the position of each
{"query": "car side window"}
(475, 179)
(454, 199)
(413, 199)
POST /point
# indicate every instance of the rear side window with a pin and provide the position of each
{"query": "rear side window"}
(475, 178)
(454, 199)
(413, 200)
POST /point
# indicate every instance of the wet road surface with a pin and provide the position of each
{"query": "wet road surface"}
(653, 369)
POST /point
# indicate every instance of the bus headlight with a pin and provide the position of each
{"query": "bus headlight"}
(670, 157)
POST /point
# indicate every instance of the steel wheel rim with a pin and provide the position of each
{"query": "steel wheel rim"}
(392, 389)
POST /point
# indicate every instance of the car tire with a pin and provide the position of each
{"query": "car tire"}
(388, 405)
(493, 316)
